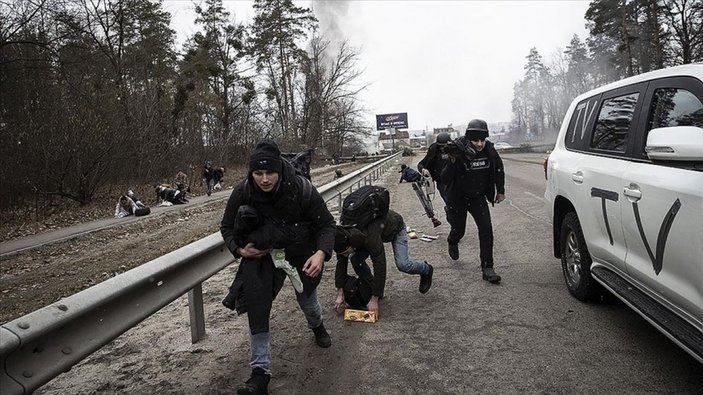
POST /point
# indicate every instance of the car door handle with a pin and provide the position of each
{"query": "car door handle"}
(632, 191)
(577, 177)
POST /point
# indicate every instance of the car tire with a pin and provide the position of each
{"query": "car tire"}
(576, 260)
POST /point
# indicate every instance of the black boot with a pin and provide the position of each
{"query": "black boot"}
(258, 383)
(490, 275)
(322, 338)
(454, 251)
(426, 280)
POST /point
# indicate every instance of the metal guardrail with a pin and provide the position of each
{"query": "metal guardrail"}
(39, 346)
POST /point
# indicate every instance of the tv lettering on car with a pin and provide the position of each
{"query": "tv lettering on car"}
(392, 121)
(623, 190)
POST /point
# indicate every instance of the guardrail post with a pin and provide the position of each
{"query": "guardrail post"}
(197, 313)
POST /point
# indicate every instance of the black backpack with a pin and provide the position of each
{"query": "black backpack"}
(300, 162)
(357, 293)
(364, 205)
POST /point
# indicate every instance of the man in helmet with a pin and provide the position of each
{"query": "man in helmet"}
(434, 161)
(474, 176)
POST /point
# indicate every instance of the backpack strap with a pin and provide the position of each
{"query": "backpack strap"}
(306, 192)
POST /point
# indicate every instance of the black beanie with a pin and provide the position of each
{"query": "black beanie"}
(266, 156)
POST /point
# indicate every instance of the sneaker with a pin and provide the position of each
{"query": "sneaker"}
(426, 280)
(490, 275)
(454, 251)
(257, 384)
(322, 338)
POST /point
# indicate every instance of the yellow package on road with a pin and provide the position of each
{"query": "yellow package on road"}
(359, 315)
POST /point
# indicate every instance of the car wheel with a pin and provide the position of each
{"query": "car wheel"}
(576, 261)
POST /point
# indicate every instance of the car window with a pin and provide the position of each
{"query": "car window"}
(613, 123)
(580, 120)
(675, 107)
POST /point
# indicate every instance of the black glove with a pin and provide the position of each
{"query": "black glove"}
(456, 149)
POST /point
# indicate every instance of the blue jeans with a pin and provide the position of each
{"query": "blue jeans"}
(400, 252)
(210, 185)
(261, 342)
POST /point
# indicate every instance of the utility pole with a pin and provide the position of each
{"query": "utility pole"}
(391, 131)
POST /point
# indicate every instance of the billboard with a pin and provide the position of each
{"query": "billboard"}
(392, 121)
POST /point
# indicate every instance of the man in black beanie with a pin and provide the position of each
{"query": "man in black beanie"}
(474, 175)
(291, 203)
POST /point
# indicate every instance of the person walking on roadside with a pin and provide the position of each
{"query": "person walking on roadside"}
(434, 161)
(474, 176)
(291, 203)
(219, 178)
(356, 245)
(209, 177)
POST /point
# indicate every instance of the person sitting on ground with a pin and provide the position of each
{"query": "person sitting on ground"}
(355, 245)
(409, 174)
(181, 179)
(130, 204)
(180, 182)
(338, 174)
(168, 196)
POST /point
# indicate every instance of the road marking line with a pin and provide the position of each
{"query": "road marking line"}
(526, 213)
(540, 198)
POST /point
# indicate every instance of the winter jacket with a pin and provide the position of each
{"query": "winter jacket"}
(379, 231)
(297, 209)
(125, 207)
(455, 166)
(433, 161)
(410, 175)
(208, 173)
(174, 196)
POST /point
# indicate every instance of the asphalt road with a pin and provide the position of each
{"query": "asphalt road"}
(526, 335)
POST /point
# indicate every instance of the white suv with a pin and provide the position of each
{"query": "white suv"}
(625, 193)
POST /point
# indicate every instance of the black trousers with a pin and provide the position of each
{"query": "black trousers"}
(478, 207)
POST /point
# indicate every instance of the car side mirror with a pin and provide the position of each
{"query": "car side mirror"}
(678, 143)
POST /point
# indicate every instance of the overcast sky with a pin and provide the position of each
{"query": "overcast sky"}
(442, 62)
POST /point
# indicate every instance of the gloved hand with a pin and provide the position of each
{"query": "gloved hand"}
(425, 172)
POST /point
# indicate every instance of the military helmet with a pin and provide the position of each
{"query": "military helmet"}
(443, 138)
(478, 125)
